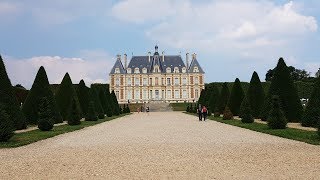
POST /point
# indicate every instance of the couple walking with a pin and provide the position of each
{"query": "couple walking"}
(202, 112)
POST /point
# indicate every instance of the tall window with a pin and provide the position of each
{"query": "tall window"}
(184, 93)
(137, 81)
(168, 81)
(196, 80)
(169, 96)
(145, 81)
(144, 95)
(129, 94)
(150, 81)
(150, 94)
(117, 81)
(117, 94)
(137, 94)
(184, 81)
(196, 93)
(176, 94)
(156, 81)
(176, 81)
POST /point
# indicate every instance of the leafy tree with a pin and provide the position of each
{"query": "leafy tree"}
(83, 95)
(276, 119)
(65, 96)
(40, 89)
(45, 117)
(224, 98)
(255, 95)
(227, 114)
(296, 74)
(6, 125)
(93, 95)
(91, 113)
(282, 85)
(9, 101)
(236, 97)
(74, 115)
(216, 112)
(214, 97)
(312, 111)
(246, 115)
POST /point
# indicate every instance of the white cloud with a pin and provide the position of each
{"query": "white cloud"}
(8, 9)
(93, 66)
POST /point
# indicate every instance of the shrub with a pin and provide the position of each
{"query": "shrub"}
(45, 117)
(40, 89)
(128, 109)
(6, 126)
(213, 101)
(276, 119)
(227, 114)
(224, 97)
(188, 108)
(83, 95)
(236, 97)
(114, 100)
(209, 112)
(216, 112)
(9, 100)
(74, 115)
(255, 95)
(93, 96)
(312, 112)
(246, 113)
(91, 114)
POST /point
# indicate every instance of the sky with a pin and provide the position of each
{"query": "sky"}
(83, 37)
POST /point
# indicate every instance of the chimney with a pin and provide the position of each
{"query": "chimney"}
(194, 56)
(187, 60)
(162, 56)
(149, 54)
(119, 57)
(125, 61)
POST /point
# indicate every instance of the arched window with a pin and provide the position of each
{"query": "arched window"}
(136, 70)
(144, 70)
(176, 70)
(129, 70)
(117, 70)
(184, 70)
(168, 70)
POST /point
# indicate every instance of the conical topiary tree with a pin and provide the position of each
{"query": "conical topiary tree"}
(224, 97)
(236, 97)
(202, 98)
(9, 100)
(282, 85)
(65, 95)
(91, 113)
(40, 89)
(246, 115)
(255, 95)
(115, 103)
(6, 125)
(93, 95)
(188, 109)
(267, 105)
(83, 95)
(103, 99)
(276, 119)
(227, 114)
(312, 112)
(214, 95)
(45, 117)
(74, 116)
(128, 109)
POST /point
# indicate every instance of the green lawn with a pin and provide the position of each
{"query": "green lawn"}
(179, 106)
(310, 137)
(29, 137)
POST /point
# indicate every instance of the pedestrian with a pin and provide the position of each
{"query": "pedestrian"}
(204, 112)
(138, 110)
(147, 110)
(199, 111)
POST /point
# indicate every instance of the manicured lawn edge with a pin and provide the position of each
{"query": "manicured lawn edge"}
(21, 139)
(309, 137)
(179, 106)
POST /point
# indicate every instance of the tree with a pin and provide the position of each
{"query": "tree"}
(83, 95)
(216, 112)
(6, 125)
(236, 97)
(203, 95)
(224, 97)
(45, 117)
(40, 89)
(227, 114)
(65, 96)
(296, 74)
(115, 102)
(255, 95)
(74, 115)
(103, 100)
(246, 115)
(312, 111)
(91, 113)
(282, 85)
(93, 95)
(276, 119)
(318, 73)
(214, 97)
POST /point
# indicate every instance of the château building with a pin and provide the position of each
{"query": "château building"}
(157, 78)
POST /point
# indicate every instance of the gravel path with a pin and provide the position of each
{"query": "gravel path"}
(169, 145)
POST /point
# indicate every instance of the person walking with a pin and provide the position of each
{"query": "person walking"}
(204, 112)
(199, 111)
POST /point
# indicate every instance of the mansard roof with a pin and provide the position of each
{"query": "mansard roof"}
(195, 63)
(118, 64)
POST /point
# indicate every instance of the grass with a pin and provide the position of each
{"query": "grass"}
(29, 137)
(179, 106)
(309, 137)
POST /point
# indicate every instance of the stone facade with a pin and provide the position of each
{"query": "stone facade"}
(156, 78)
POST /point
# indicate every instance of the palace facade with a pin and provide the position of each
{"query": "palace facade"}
(157, 78)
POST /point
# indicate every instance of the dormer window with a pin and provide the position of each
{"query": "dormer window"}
(184, 70)
(168, 70)
(144, 70)
(116, 70)
(195, 69)
(176, 70)
(129, 70)
(136, 71)
(156, 69)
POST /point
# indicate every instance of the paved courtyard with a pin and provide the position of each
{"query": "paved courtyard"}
(162, 145)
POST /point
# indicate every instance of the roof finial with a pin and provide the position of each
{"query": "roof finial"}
(156, 48)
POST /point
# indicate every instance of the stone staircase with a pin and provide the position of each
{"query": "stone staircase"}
(159, 107)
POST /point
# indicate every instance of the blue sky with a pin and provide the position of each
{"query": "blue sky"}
(231, 38)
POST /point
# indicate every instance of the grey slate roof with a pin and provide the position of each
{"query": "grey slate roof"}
(119, 65)
(195, 63)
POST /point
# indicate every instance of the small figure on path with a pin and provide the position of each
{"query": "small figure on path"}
(204, 112)
(199, 111)
(147, 109)
(138, 110)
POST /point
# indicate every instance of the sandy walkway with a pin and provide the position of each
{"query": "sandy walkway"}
(169, 145)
